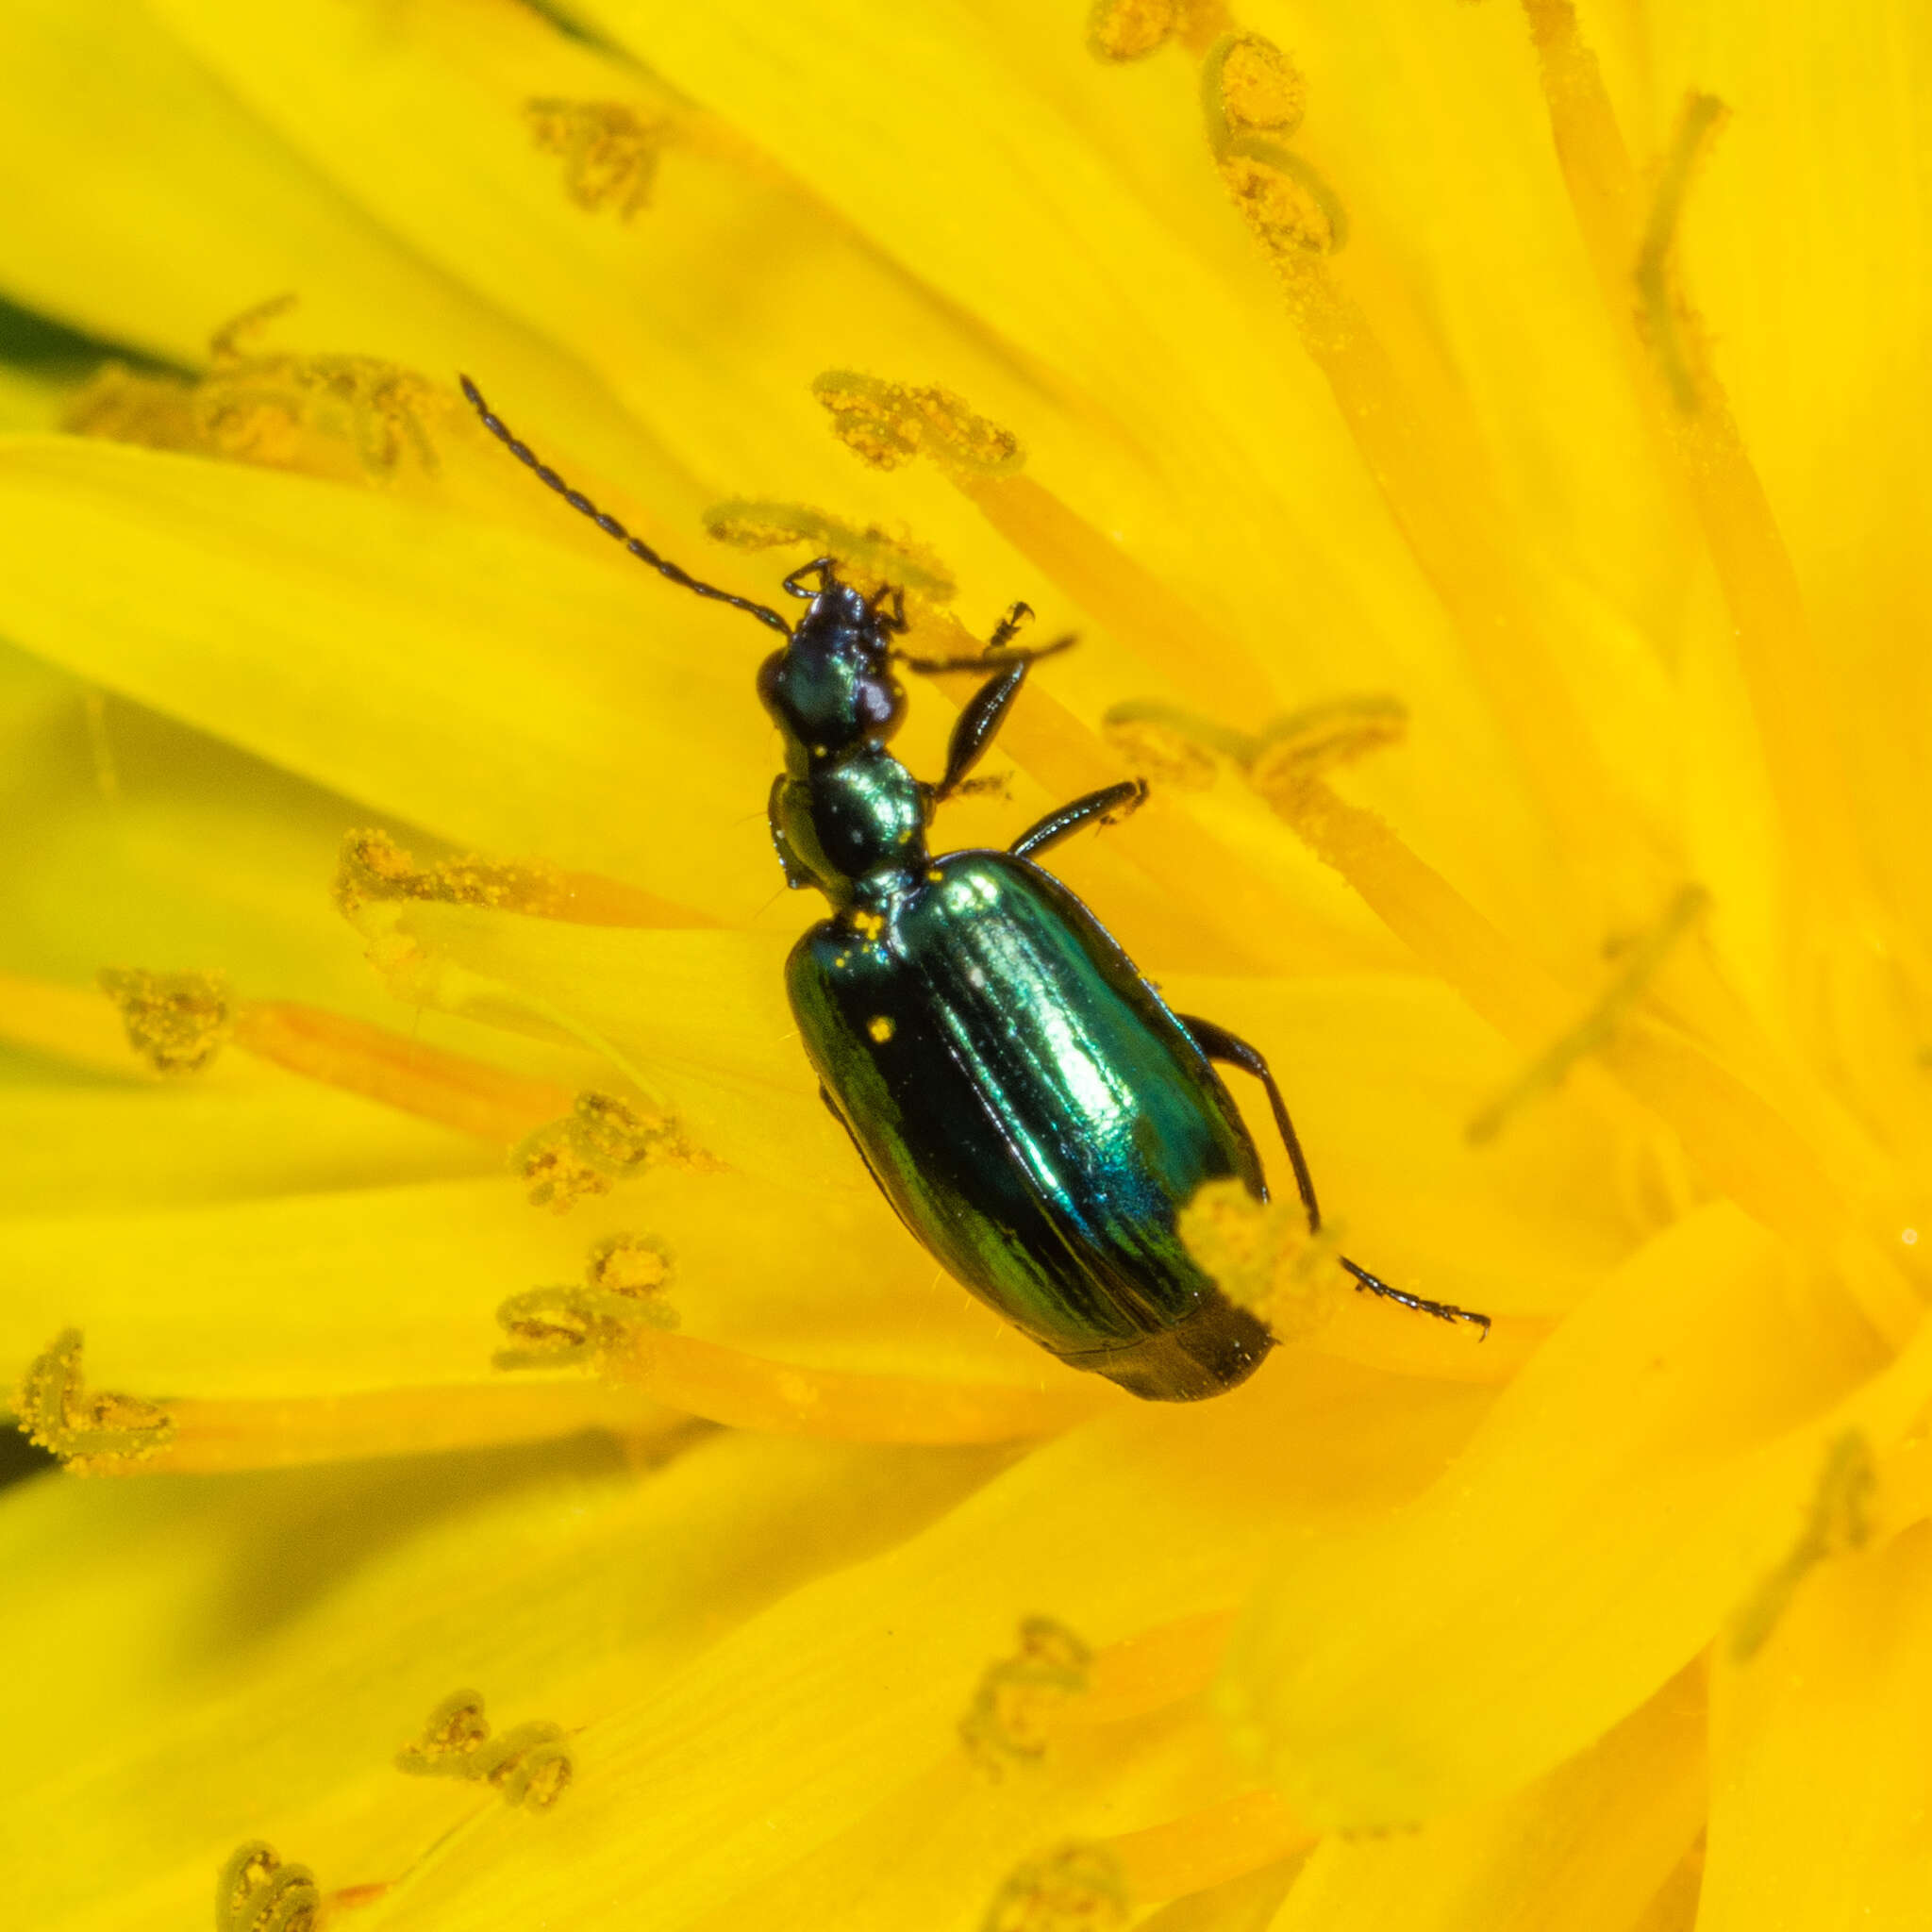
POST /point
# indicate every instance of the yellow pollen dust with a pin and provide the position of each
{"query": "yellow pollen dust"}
(1121, 30)
(624, 1275)
(610, 151)
(531, 1765)
(1597, 1027)
(601, 1141)
(1007, 1720)
(257, 1893)
(373, 868)
(1261, 1255)
(94, 1434)
(881, 1027)
(1074, 1888)
(176, 1022)
(888, 423)
(1262, 91)
(1839, 1521)
(868, 557)
(348, 418)
(868, 925)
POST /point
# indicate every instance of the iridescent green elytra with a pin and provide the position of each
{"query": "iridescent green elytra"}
(1029, 1106)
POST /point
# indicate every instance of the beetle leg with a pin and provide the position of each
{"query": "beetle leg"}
(1112, 804)
(997, 651)
(1218, 1043)
(974, 729)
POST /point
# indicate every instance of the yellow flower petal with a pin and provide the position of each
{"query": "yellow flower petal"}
(1585, 1847)
(168, 185)
(1633, 1487)
(1818, 1762)
(798, 1726)
(391, 672)
(294, 1628)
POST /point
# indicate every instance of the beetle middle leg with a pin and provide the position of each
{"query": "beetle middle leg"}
(1112, 802)
(1218, 1043)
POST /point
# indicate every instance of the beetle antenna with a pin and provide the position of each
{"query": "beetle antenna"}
(608, 524)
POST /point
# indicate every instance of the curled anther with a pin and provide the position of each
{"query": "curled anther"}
(888, 423)
(529, 1764)
(1177, 746)
(625, 1276)
(275, 410)
(1253, 98)
(1006, 1721)
(1839, 1520)
(610, 151)
(601, 1141)
(257, 1893)
(92, 1433)
(1310, 744)
(176, 1022)
(1072, 1888)
(865, 557)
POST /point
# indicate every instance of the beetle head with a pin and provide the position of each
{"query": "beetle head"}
(831, 688)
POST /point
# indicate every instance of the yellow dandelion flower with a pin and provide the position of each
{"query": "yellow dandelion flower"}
(531, 1477)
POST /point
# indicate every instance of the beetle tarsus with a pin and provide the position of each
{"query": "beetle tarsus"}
(1444, 1311)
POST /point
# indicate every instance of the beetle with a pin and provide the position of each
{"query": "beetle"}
(1026, 1102)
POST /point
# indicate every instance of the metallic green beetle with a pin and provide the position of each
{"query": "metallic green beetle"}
(1033, 1111)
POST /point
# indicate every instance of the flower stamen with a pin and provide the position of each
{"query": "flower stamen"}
(887, 423)
(1776, 650)
(176, 1022)
(1667, 319)
(624, 1277)
(467, 1094)
(868, 556)
(1744, 1146)
(1209, 1847)
(1552, 1067)
(610, 151)
(94, 1434)
(531, 1765)
(1839, 1520)
(747, 1391)
(374, 869)
(348, 418)
(1072, 1888)
(1008, 1721)
(218, 1436)
(600, 1142)
(257, 1893)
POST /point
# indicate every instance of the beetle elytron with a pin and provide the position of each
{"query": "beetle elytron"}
(1024, 1099)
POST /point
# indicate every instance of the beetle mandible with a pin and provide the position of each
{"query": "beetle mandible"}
(1030, 1107)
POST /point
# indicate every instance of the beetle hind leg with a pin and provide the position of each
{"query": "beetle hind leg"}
(1218, 1043)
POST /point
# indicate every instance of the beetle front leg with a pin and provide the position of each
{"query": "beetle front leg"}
(983, 713)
